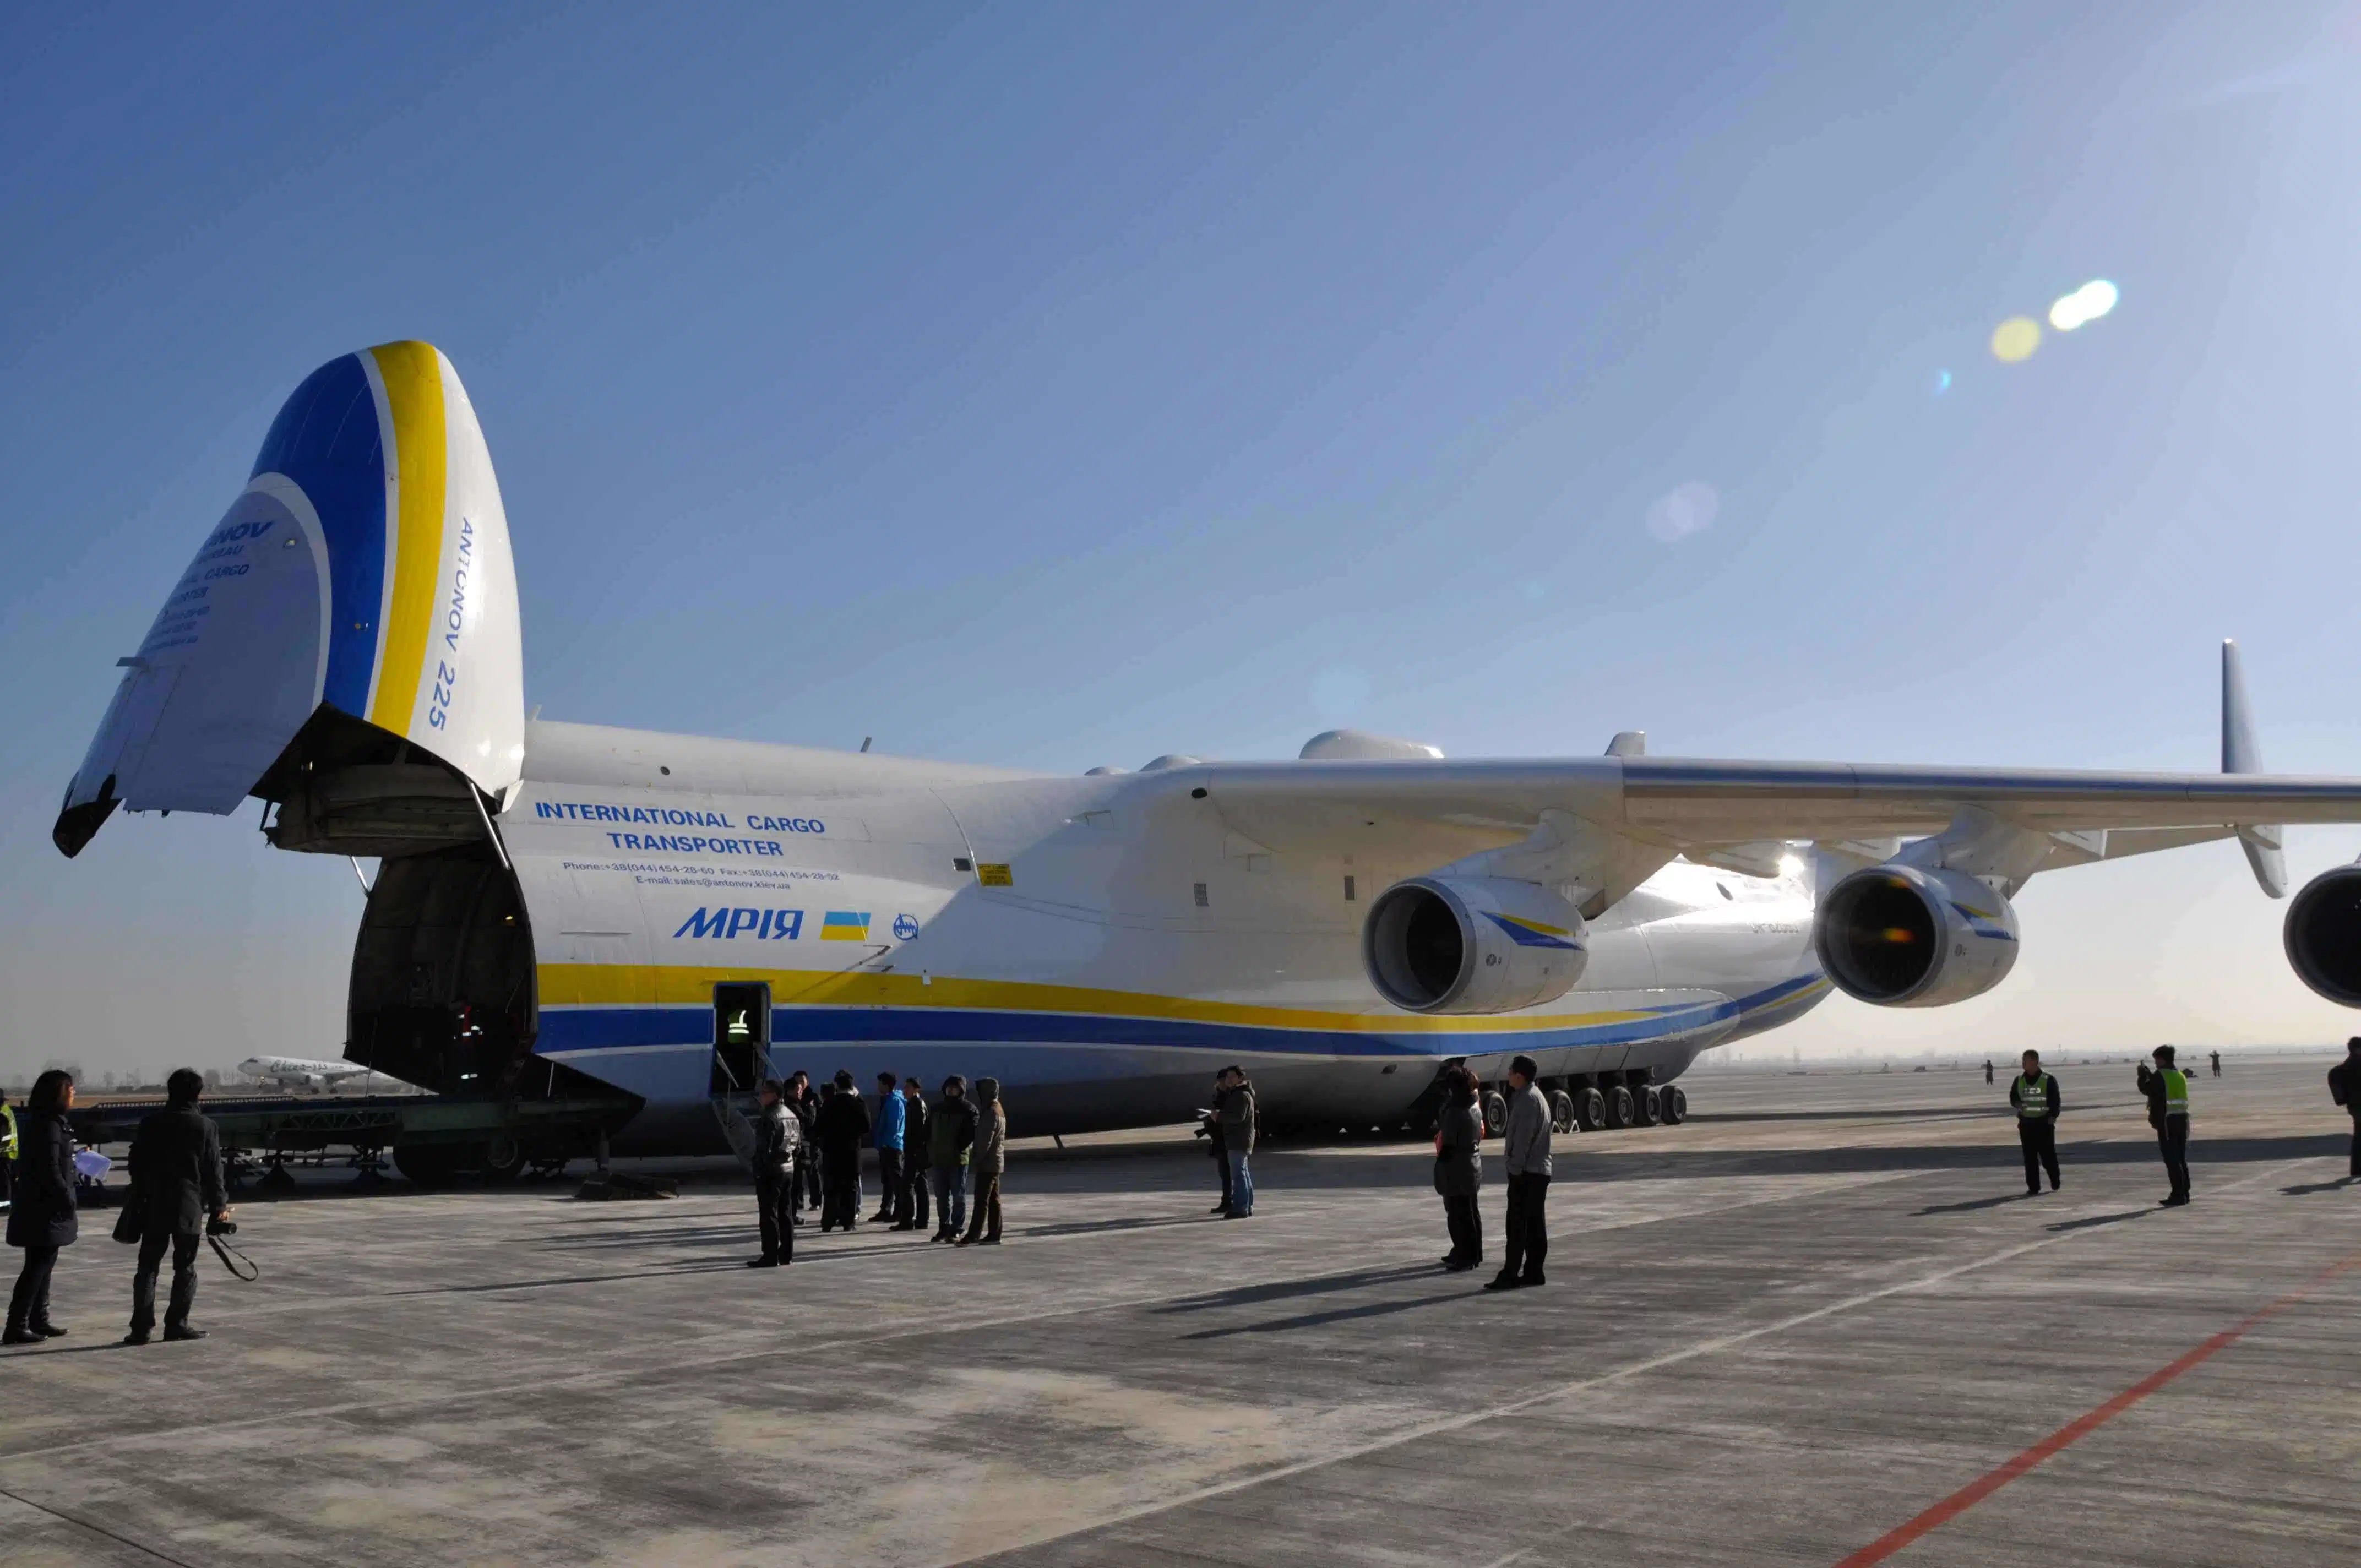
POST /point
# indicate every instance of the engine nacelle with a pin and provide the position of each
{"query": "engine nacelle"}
(1904, 936)
(1471, 945)
(2323, 935)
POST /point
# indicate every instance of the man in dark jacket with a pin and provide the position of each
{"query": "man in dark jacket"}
(951, 1133)
(1525, 1153)
(176, 1180)
(843, 1127)
(915, 1152)
(778, 1137)
(2034, 1094)
(2344, 1087)
(805, 1189)
(42, 1219)
(1238, 1140)
(990, 1158)
(1214, 1135)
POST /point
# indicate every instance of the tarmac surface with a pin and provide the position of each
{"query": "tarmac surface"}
(1821, 1313)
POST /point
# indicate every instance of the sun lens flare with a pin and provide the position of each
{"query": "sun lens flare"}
(2085, 304)
(2014, 341)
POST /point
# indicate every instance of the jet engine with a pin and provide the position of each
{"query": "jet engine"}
(2323, 935)
(1904, 936)
(1471, 945)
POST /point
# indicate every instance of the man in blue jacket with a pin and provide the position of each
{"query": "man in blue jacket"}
(886, 1133)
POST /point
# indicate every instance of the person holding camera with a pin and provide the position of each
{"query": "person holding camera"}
(176, 1180)
(778, 1139)
(2166, 1090)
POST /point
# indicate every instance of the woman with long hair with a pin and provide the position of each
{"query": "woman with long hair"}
(42, 1219)
(1460, 1168)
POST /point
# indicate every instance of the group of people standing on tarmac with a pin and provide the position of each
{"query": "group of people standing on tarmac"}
(2034, 1095)
(177, 1192)
(808, 1151)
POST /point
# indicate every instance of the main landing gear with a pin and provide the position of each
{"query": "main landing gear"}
(1606, 1102)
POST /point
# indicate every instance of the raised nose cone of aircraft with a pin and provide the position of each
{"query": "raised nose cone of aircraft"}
(365, 569)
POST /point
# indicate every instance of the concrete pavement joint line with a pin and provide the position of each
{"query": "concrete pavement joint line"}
(2090, 1420)
(98, 1529)
(328, 1412)
(1564, 1390)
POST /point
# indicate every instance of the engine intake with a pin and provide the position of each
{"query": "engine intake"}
(1471, 945)
(1904, 936)
(2323, 935)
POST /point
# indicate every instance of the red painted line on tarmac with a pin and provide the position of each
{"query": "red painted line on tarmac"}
(1976, 1491)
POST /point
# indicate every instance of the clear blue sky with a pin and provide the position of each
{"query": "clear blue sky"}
(1062, 385)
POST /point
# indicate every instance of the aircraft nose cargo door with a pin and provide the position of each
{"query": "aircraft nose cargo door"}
(356, 597)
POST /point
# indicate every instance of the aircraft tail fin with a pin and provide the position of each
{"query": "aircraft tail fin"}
(361, 585)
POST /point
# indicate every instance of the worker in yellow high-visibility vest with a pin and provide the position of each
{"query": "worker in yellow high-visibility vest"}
(2034, 1093)
(7, 1151)
(2168, 1112)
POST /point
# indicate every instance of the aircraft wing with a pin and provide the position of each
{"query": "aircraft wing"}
(1629, 806)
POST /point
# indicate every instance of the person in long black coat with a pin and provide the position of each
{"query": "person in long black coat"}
(42, 1219)
(1460, 1168)
(176, 1180)
(842, 1126)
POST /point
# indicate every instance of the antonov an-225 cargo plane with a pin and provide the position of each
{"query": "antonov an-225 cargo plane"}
(564, 909)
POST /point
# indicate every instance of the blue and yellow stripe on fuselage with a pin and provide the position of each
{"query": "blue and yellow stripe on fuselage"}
(648, 1029)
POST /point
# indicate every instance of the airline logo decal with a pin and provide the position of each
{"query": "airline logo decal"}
(763, 924)
(1533, 933)
(840, 925)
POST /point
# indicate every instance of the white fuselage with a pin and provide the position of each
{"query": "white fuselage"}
(298, 1070)
(1095, 946)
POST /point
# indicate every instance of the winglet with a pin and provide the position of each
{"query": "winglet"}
(2241, 756)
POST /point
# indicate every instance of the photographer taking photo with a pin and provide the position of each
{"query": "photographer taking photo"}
(176, 1180)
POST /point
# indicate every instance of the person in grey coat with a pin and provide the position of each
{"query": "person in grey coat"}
(176, 1180)
(1460, 1168)
(778, 1143)
(42, 1220)
(1527, 1152)
(988, 1159)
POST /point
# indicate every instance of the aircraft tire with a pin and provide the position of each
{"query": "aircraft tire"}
(1618, 1108)
(1496, 1114)
(503, 1159)
(1674, 1100)
(1590, 1110)
(1561, 1112)
(1647, 1106)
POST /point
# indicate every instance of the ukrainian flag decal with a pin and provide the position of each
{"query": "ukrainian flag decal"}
(840, 925)
(1532, 933)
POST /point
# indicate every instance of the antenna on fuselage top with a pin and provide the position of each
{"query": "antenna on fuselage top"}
(865, 742)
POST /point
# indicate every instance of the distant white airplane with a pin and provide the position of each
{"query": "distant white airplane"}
(296, 1071)
(567, 910)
